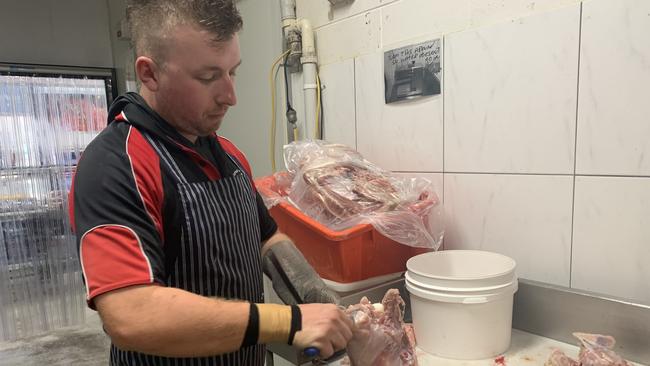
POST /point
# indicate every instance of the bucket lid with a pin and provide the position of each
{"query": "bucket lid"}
(463, 298)
(467, 289)
(462, 269)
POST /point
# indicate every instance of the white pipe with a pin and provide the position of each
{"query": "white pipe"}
(309, 62)
(288, 9)
(309, 89)
(308, 48)
(288, 12)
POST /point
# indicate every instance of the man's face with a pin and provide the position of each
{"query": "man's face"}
(197, 81)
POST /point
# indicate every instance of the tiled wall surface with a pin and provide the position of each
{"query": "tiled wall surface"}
(614, 103)
(541, 137)
(510, 95)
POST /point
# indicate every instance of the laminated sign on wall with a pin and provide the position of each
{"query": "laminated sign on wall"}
(412, 71)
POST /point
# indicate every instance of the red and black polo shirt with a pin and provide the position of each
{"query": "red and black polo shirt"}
(125, 208)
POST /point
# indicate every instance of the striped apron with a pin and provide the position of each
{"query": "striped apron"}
(219, 254)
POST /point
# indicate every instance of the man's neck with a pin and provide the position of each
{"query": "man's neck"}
(152, 101)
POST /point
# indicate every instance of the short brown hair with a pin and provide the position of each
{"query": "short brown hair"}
(151, 21)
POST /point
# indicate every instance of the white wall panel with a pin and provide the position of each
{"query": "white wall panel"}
(614, 109)
(526, 217)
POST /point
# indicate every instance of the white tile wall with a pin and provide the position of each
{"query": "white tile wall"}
(510, 102)
(484, 12)
(399, 21)
(321, 12)
(405, 136)
(349, 38)
(526, 217)
(614, 107)
(611, 236)
(337, 80)
(474, 12)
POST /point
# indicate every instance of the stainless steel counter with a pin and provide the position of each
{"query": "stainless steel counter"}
(548, 311)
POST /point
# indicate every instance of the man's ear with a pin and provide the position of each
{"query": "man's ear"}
(148, 73)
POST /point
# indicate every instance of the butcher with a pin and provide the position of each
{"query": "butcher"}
(173, 237)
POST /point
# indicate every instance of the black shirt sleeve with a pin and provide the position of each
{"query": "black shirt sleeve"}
(119, 243)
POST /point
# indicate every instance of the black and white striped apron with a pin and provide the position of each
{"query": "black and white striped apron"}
(219, 254)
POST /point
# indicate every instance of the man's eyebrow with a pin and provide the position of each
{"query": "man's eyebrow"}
(217, 68)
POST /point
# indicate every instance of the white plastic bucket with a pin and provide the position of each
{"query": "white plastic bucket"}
(461, 302)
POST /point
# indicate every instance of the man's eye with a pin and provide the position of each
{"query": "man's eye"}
(208, 79)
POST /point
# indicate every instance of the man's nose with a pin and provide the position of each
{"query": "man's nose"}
(226, 95)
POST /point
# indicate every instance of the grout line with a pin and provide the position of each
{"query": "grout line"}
(442, 91)
(512, 173)
(613, 175)
(575, 150)
(415, 172)
(443, 83)
(354, 88)
(529, 174)
(365, 11)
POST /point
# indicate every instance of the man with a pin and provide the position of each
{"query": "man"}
(171, 232)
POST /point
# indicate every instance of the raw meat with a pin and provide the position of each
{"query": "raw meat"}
(380, 337)
(348, 189)
(558, 358)
(595, 350)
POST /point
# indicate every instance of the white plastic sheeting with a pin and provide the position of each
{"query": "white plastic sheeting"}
(45, 123)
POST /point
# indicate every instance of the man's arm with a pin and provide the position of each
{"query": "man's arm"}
(172, 322)
(175, 323)
(274, 239)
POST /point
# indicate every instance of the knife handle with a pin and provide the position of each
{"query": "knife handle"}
(311, 352)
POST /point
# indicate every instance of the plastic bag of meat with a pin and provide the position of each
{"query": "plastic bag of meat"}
(380, 337)
(337, 187)
(595, 350)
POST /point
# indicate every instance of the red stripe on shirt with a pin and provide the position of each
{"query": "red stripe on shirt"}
(148, 179)
(231, 149)
(206, 166)
(111, 258)
(120, 117)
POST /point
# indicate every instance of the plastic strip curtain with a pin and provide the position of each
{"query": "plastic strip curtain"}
(45, 123)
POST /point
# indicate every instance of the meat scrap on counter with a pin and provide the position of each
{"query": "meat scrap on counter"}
(380, 337)
(595, 350)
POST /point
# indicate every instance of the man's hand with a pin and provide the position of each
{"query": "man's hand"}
(325, 327)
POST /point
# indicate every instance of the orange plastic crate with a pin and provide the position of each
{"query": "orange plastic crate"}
(351, 255)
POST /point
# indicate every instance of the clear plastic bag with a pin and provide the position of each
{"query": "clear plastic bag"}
(337, 187)
(276, 188)
(595, 350)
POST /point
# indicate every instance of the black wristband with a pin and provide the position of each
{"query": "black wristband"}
(253, 329)
(296, 322)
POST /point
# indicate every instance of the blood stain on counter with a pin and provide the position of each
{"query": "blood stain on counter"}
(501, 361)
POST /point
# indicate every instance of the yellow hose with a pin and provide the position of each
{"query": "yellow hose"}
(273, 122)
(318, 107)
